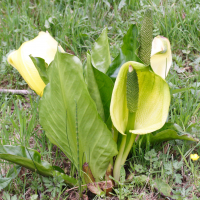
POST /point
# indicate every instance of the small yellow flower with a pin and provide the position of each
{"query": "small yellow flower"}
(194, 156)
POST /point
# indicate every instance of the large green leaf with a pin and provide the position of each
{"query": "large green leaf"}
(100, 54)
(128, 51)
(100, 87)
(12, 173)
(170, 131)
(67, 106)
(170, 134)
(31, 159)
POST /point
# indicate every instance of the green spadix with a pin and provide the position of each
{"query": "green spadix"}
(132, 90)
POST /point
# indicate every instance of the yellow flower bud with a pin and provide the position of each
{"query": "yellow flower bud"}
(161, 56)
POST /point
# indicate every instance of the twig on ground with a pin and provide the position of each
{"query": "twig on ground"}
(22, 92)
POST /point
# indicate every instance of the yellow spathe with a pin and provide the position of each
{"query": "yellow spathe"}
(161, 56)
(153, 102)
(43, 46)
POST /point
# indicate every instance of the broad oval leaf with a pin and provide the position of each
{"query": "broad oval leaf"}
(127, 52)
(170, 134)
(31, 159)
(171, 131)
(100, 54)
(100, 87)
(77, 130)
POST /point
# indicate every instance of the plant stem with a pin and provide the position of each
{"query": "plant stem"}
(128, 148)
(117, 166)
(125, 147)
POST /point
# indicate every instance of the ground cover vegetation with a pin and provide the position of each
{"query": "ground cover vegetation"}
(152, 170)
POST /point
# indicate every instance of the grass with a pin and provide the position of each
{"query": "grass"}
(76, 25)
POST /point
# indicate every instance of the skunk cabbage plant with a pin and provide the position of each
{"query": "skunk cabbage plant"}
(43, 46)
(140, 99)
(82, 111)
(139, 105)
